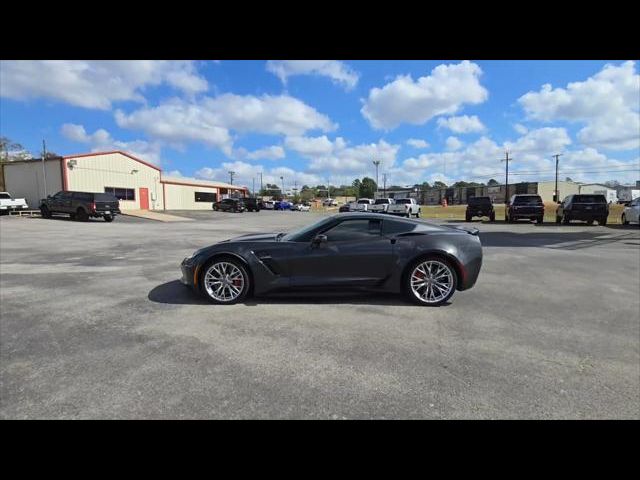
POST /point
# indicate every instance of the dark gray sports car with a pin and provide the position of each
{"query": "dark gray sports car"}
(346, 251)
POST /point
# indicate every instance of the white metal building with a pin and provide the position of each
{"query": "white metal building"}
(136, 183)
(610, 193)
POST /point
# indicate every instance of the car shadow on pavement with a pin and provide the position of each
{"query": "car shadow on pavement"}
(175, 293)
(558, 240)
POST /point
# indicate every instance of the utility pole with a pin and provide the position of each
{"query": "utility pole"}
(44, 170)
(506, 182)
(384, 183)
(282, 179)
(231, 174)
(376, 163)
(556, 195)
(254, 186)
(328, 189)
(261, 188)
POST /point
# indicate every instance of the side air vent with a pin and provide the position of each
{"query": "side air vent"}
(266, 260)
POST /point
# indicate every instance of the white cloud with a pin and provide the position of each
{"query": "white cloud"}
(247, 173)
(95, 84)
(462, 124)
(338, 157)
(101, 140)
(174, 173)
(274, 152)
(608, 103)
(210, 120)
(417, 143)
(404, 100)
(452, 144)
(338, 72)
(521, 129)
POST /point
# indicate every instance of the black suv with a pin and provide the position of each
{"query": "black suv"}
(253, 204)
(583, 207)
(524, 206)
(229, 205)
(81, 205)
(479, 207)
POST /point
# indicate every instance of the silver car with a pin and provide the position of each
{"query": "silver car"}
(631, 213)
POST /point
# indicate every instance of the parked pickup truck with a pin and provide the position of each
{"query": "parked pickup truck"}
(81, 205)
(8, 204)
(381, 205)
(583, 207)
(407, 207)
(362, 205)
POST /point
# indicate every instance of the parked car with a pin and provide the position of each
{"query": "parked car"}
(329, 202)
(631, 212)
(268, 204)
(529, 206)
(253, 204)
(361, 205)
(8, 204)
(81, 205)
(302, 207)
(282, 205)
(345, 208)
(406, 207)
(381, 205)
(229, 205)
(427, 262)
(587, 208)
(480, 207)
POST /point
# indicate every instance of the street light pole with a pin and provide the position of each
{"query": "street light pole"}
(506, 186)
(556, 196)
(376, 163)
(44, 170)
(231, 174)
(282, 179)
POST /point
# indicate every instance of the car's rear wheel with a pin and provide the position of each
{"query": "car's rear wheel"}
(225, 281)
(565, 219)
(492, 217)
(82, 215)
(467, 218)
(45, 212)
(602, 221)
(108, 218)
(590, 222)
(558, 219)
(624, 220)
(431, 281)
(540, 220)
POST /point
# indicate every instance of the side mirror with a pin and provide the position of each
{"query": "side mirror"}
(319, 239)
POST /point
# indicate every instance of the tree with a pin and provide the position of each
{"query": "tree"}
(11, 151)
(493, 183)
(425, 186)
(612, 183)
(367, 188)
(439, 184)
(568, 179)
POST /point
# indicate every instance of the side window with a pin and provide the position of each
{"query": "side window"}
(351, 230)
(391, 227)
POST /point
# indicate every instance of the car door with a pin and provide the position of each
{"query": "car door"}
(354, 255)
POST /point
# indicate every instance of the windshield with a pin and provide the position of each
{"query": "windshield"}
(589, 199)
(5, 195)
(104, 197)
(364, 201)
(479, 201)
(528, 200)
(300, 235)
(403, 200)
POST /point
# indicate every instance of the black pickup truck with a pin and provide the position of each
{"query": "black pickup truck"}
(587, 208)
(81, 205)
(529, 206)
(480, 207)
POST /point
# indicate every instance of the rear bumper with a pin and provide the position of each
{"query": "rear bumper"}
(586, 215)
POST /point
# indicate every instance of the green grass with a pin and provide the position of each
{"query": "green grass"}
(456, 212)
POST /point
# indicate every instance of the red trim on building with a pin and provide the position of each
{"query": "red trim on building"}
(93, 154)
(63, 174)
(171, 182)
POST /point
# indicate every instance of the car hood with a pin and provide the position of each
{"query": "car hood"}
(255, 237)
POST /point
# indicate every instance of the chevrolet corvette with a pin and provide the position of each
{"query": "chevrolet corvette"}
(360, 251)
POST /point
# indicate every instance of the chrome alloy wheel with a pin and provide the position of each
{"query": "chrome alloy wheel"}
(224, 282)
(432, 281)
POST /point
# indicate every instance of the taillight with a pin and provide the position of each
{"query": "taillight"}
(93, 206)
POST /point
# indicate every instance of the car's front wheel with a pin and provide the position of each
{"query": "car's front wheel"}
(431, 281)
(46, 213)
(108, 218)
(225, 281)
(624, 220)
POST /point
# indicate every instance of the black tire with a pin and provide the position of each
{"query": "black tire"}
(624, 220)
(82, 215)
(558, 220)
(407, 281)
(590, 222)
(602, 221)
(109, 218)
(467, 218)
(45, 212)
(418, 214)
(565, 219)
(215, 208)
(540, 220)
(246, 288)
(492, 217)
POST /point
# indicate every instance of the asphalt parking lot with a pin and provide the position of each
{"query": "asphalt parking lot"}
(94, 324)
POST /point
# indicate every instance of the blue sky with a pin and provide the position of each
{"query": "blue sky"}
(318, 121)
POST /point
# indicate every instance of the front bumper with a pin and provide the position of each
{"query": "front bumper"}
(188, 273)
(13, 208)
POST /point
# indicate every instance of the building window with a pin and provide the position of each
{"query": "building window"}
(121, 193)
(205, 197)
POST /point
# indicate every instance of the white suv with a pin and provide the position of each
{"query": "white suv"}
(631, 212)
